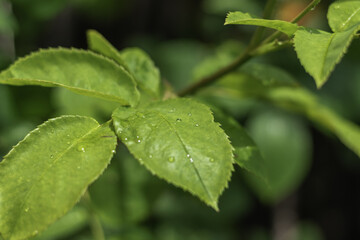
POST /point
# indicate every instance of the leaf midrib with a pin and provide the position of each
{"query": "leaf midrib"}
(40, 177)
(322, 74)
(187, 152)
(349, 19)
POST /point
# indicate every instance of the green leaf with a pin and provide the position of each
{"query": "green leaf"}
(343, 15)
(142, 67)
(80, 71)
(246, 153)
(135, 60)
(305, 102)
(46, 173)
(75, 220)
(285, 144)
(99, 44)
(179, 141)
(246, 19)
(320, 51)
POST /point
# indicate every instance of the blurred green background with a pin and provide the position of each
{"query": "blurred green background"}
(315, 192)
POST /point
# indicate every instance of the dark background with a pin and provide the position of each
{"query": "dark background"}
(179, 34)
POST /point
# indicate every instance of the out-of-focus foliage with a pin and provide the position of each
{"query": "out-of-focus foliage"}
(132, 204)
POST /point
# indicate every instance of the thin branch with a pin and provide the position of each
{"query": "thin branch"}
(248, 54)
(306, 10)
(268, 12)
(218, 74)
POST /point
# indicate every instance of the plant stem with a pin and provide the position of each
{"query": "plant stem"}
(306, 10)
(268, 11)
(218, 74)
(95, 225)
(250, 52)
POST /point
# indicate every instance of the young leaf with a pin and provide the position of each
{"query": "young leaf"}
(246, 19)
(320, 51)
(179, 141)
(134, 60)
(142, 67)
(246, 153)
(304, 102)
(343, 15)
(80, 71)
(46, 173)
(99, 44)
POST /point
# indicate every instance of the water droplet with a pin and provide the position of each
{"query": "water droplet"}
(81, 149)
(178, 120)
(171, 159)
(26, 209)
(68, 135)
(189, 114)
(51, 156)
(172, 110)
(143, 116)
(191, 160)
(139, 141)
(337, 7)
(312, 9)
(113, 151)
(188, 155)
(150, 156)
(125, 139)
(137, 137)
(68, 143)
(212, 160)
(310, 31)
(196, 125)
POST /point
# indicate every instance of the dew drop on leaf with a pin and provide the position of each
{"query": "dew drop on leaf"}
(171, 159)
(125, 139)
(189, 114)
(26, 209)
(212, 160)
(113, 151)
(196, 125)
(191, 160)
(178, 120)
(139, 141)
(150, 156)
(51, 156)
(81, 149)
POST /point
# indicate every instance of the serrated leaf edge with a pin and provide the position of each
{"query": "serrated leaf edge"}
(74, 50)
(228, 22)
(4, 161)
(214, 203)
(324, 76)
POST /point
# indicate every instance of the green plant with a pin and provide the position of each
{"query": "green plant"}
(173, 135)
